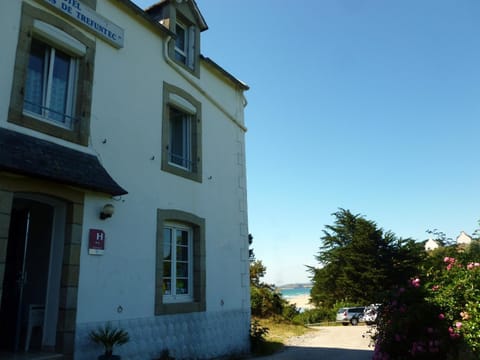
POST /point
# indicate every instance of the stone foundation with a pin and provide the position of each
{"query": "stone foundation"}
(196, 336)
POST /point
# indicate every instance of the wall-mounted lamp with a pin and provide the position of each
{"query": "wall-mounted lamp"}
(107, 211)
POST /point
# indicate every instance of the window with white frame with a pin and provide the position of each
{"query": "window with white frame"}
(181, 134)
(53, 77)
(185, 45)
(180, 139)
(181, 42)
(50, 84)
(180, 275)
(177, 263)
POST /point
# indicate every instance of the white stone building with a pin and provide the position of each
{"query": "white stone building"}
(463, 239)
(431, 244)
(108, 108)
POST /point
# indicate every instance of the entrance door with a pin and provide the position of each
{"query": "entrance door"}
(26, 271)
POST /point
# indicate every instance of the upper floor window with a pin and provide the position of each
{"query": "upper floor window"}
(53, 77)
(180, 151)
(181, 43)
(185, 45)
(181, 134)
(50, 85)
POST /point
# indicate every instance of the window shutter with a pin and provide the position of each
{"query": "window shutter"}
(191, 48)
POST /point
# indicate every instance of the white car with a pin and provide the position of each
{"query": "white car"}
(370, 314)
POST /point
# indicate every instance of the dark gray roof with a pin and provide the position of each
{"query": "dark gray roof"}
(28, 155)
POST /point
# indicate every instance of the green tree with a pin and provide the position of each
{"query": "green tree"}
(360, 262)
(265, 300)
(257, 271)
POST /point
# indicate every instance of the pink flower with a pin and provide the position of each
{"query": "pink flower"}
(435, 287)
(441, 316)
(458, 324)
(449, 266)
(470, 266)
(476, 264)
(450, 330)
(449, 260)
(416, 282)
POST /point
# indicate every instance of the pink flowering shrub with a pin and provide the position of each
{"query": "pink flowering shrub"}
(436, 316)
(456, 289)
(410, 327)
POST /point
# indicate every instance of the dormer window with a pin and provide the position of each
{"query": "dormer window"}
(181, 44)
(183, 18)
(185, 45)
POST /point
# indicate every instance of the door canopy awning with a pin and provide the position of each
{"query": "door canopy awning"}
(28, 155)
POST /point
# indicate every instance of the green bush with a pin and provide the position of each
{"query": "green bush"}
(290, 311)
(266, 302)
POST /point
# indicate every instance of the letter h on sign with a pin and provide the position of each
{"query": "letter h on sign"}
(96, 242)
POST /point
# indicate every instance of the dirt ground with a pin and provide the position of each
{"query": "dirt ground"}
(332, 343)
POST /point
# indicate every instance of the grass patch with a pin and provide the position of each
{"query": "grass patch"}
(278, 332)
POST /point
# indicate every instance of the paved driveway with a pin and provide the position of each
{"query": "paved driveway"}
(332, 343)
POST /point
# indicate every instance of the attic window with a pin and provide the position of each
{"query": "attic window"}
(184, 45)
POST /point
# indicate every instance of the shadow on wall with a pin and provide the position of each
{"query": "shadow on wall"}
(315, 353)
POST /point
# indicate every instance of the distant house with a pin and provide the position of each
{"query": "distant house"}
(122, 182)
(431, 244)
(464, 239)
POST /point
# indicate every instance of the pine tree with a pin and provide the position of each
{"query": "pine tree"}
(359, 261)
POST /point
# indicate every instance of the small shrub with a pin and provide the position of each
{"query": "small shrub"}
(257, 335)
(109, 337)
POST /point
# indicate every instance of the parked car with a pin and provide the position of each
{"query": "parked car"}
(352, 315)
(370, 314)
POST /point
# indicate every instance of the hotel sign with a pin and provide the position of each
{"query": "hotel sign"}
(91, 20)
(96, 242)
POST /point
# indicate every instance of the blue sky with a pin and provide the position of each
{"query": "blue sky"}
(367, 105)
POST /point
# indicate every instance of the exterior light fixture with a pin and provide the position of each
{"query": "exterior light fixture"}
(107, 211)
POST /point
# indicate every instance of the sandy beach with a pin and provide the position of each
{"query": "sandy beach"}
(300, 301)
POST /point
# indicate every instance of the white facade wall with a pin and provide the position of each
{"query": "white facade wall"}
(125, 133)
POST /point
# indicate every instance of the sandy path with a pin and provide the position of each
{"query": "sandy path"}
(333, 343)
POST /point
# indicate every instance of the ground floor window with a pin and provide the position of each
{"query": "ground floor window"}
(180, 275)
(177, 263)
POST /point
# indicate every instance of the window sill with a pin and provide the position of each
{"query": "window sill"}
(180, 171)
(45, 126)
(179, 308)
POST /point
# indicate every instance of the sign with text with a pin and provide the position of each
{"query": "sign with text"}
(91, 20)
(96, 242)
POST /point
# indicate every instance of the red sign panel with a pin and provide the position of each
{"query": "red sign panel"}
(96, 242)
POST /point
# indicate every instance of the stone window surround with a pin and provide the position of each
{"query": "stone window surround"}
(74, 201)
(196, 43)
(199, 266)
(196, 127)
(83, 92)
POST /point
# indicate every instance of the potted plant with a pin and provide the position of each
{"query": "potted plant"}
(109, 337)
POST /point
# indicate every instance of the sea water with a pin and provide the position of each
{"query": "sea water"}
(292, 292)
